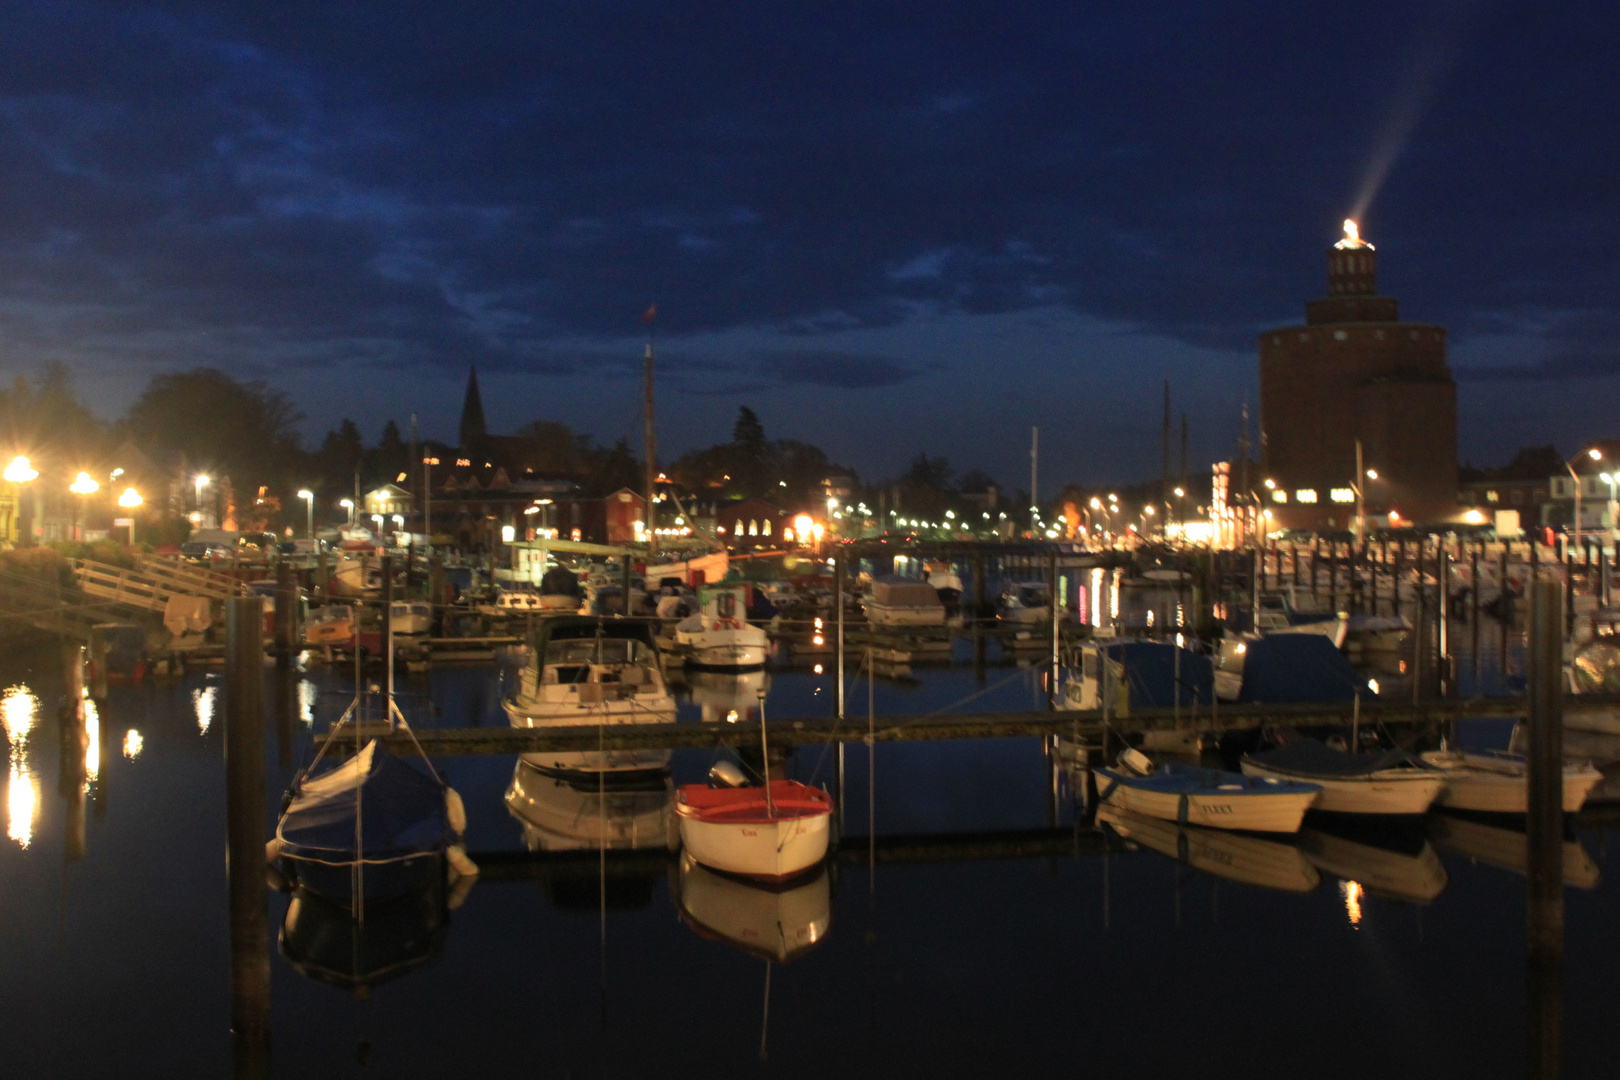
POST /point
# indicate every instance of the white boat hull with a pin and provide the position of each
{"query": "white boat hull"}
(1392, 792)
(747, 647)
(765, 849)
(1480, 783)
(1279, 812)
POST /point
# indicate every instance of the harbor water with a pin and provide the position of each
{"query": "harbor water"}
(988, 929)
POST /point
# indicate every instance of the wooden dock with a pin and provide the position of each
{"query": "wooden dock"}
(1088, 726)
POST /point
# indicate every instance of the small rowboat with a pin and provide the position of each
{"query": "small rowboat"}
(1192, 795)
(1500, 783)
(1393, 782)
(773, 833)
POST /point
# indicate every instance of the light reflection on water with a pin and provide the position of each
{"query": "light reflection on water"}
(19, 708)
(202, 702)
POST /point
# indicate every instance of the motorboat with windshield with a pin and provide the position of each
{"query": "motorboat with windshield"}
(587, 671)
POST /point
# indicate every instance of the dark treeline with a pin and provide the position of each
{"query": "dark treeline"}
(206, 421)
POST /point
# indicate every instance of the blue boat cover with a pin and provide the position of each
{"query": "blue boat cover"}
(1298, 669)
(1304, 756)
(402, 812)
(1150, 672)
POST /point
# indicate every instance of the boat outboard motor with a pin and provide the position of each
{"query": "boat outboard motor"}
(727, 774)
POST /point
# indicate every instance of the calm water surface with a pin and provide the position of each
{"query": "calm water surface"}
(1072, 961)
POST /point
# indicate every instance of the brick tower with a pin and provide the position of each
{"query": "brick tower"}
(1355, 371)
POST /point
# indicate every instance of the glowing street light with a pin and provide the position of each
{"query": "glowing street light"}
(129, 500)
(20, 471)
(309, 512)
(82, 485)
(348, 504)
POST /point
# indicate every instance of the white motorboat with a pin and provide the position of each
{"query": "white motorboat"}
(901, 601)
(1498, 783)
(719, 634)
(1192, 795)
(774, 831)
(587, 671)
(1393, 782)
(1025, 602)
(1252, 860)
(776, 924)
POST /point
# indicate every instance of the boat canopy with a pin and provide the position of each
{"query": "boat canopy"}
(890, 590)
(402, 812)
(1305, 756)
(1298, 669)
(1151, 674)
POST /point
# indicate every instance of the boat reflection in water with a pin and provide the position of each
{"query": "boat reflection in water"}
(728, 696)
(1500, 845)
(563, 811)
(322, 940)
(1392, 860)
(774, 922)
(1270, 864)
(574, 811)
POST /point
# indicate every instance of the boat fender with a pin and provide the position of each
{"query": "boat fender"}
(275, 880)
(455, 810)
(726, 774)
(459, 888)
(272, 851)
(459, 862)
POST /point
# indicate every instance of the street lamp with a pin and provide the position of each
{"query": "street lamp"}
(200, 481)
(348, 504)
(309, 511)
(82, 485)
(1596, 455)
(20, 472)
(129, 500)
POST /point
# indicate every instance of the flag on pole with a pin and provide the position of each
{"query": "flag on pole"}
(650, 314)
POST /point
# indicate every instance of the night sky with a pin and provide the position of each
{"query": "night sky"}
(886, 227)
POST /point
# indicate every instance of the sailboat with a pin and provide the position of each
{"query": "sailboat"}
(374, 826)
(774, 831)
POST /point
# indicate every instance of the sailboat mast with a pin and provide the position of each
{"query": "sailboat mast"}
(651, 439)
(765, 757)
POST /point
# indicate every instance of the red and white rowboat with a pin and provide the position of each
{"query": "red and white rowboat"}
(744, 831)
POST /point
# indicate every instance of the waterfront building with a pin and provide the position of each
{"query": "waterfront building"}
(1354, 371)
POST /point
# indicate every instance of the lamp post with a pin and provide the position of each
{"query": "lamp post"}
(1596, 455)
(348, 504)
(82, 485)
(20, 472)
(129, 500)
(309, 512)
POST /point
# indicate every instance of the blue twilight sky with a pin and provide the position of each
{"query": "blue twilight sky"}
(886, 227)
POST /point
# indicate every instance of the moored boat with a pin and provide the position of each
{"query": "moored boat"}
(900, 601)
(774, 831)
(719, 634)
(585, 671)
(1499, 783)
(1191, 794)
(1392, 782)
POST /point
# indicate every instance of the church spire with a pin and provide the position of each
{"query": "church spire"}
(472, 414)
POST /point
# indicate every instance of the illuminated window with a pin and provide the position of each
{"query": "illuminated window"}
(765, 527)
(1492, 496)
(462, 461)
(1343, 495)
(1305, 495)
(1279, 496)
(753, 527)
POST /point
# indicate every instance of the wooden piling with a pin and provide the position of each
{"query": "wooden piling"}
(840, 578)
(1544, 930)
(245, 835)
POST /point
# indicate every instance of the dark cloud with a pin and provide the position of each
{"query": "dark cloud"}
(1574, 345)
(419, 185)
